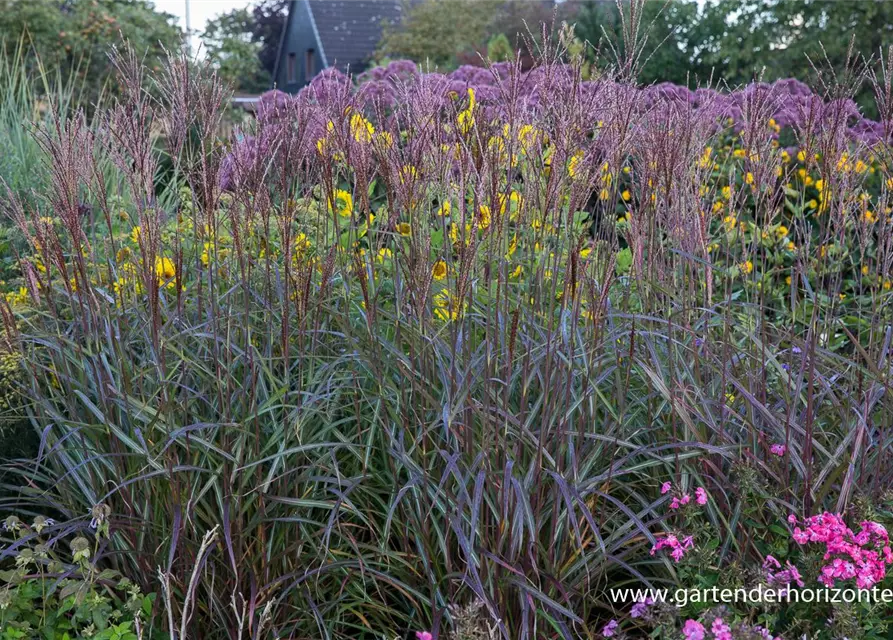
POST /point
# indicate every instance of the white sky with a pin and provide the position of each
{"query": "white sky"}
(200, 11)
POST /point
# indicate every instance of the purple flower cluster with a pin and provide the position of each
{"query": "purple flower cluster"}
(790, 103)
(393, 97)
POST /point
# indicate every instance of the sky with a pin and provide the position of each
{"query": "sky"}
(200, 11)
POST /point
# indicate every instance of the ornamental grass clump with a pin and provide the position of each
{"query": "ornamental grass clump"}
(428, 342)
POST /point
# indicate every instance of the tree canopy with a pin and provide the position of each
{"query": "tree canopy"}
(743, 40)
(73, 37)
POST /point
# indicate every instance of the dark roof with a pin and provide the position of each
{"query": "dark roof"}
(349, 30)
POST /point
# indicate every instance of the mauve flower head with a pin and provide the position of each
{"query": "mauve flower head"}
(327, 86)
(791, 87)
(669, 92)
(250, 158)
(871, 133)
(610, 629)
(665, 488)
(402, 70)
(380, 93)
(424, 635)
(778, 449)
(272, 104)
(473, 76)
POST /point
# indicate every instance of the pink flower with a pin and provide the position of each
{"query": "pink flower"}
(778, 449)
(861, 555)
(693, 630)
(674, 503)
(721, 630)
(665, 488)
(685, 499)
(701, 496)
(610, 629)
(423, 635)
(677, 547)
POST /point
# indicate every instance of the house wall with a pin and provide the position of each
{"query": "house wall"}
(299, 38)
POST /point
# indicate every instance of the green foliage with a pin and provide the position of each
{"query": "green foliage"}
(436, 32)
(49, 595)
(783, 35)
(671, 35)
(235, 53)
(11, 404)
(447, 33)
(499, 49)
(739, 41)
(73, 37)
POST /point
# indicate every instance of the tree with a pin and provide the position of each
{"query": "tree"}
(671, 35)
(244, 44)
(447, 33)
(773, 39)
(436, 31)
(74, 37)
(231, 47)
(738, 38)
(268, 23)
(821, 33)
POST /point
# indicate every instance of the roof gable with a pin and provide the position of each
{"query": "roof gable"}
(349, 30)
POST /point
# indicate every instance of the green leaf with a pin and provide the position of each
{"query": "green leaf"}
(624, 261)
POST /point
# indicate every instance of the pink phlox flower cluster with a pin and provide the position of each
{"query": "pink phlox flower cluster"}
(424, 635)
(694, 630)
(790, 573)
(680, 501)
(677, 547)
(863, 555)
(778, 450)
(721, 631)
